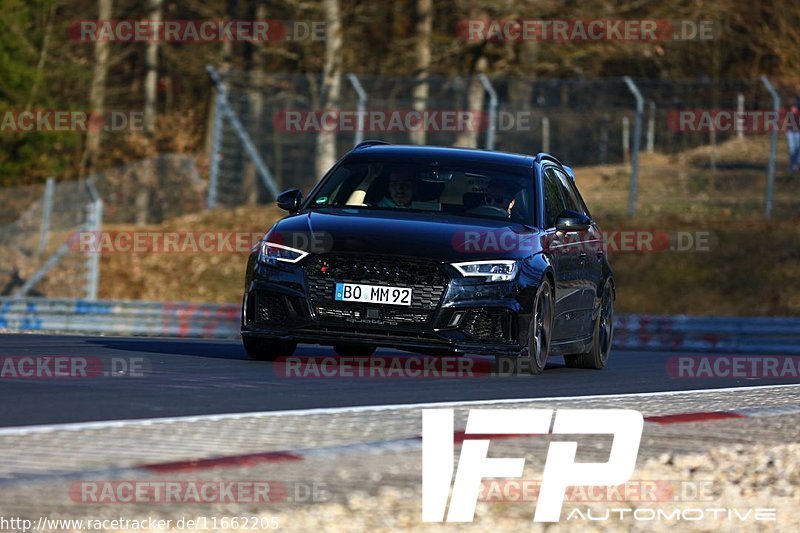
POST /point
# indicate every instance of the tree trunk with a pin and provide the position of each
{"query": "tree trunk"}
(151, 77)
(475, 96)
(40, 64)
(520, 89)
(148, 178)
(255, 97)
(331, 85)
(421, 91)
(97, 91)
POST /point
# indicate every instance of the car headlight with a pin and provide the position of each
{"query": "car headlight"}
(493, 270)
(270, 253)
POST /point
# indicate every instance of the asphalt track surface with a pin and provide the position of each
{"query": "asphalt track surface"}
(197, 377)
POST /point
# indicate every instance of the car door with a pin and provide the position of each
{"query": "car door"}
(565, 260)
(588, 246)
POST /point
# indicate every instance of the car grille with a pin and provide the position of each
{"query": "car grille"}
(354, 312)
(489, 324)
(425, 278)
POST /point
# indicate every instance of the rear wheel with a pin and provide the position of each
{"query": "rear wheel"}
(597, 357)
(267, 349)
(354, 350)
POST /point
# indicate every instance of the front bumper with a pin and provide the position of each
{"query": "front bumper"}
(468, 316)
(430, 345)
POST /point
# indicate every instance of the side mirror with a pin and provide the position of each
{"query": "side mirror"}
(290, 200)
(572, 221)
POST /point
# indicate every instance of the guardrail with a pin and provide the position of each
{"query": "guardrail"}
(173, 319)
(165, 319)
(708, 334)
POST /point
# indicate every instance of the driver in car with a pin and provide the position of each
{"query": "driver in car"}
(402, 187)
(500, 193)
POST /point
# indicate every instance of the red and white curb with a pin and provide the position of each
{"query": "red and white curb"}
(375, 447)
(416, 442)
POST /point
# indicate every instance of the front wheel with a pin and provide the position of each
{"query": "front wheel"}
(268, 349)
(539, 335)
(597, 356)
(541, 329)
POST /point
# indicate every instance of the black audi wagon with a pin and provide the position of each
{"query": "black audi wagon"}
(435, 250)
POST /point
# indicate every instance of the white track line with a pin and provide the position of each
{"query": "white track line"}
(105, 424)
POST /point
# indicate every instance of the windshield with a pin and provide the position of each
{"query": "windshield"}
(461, 189)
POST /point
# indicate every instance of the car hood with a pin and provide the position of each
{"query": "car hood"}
(436, 236)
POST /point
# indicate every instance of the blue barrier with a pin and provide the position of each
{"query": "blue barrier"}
(182, 319)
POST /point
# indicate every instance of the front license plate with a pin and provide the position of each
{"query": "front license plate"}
(372, 294)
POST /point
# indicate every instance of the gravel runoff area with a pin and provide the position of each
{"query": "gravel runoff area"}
(714, 475)
(737, 479)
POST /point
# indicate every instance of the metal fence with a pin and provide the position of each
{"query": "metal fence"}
(38, 240)
(583, 122)
(40, 249)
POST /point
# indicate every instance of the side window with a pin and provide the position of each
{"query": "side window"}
(573, 199)
(569, 197)
(581, 201)
(553, 202)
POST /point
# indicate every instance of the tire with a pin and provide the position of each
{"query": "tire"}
(539, 336)
(354, 350)
(597, 356)
(267, 349)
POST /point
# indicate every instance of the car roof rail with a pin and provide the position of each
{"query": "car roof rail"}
(569, 171)
(542, 156)
(370, 142)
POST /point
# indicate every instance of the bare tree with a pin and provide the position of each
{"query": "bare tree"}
(250, 183)
(331, 84)
(40, 64)
(520, 87)
(225, 56)
(478, 64)
(97, 91)
(475, 96)
(422, 48)
(147, 178)
(156, 8)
